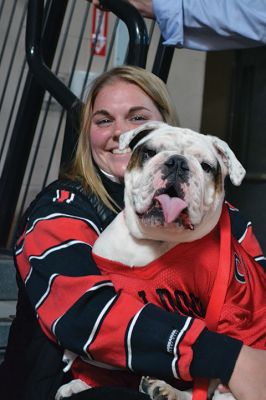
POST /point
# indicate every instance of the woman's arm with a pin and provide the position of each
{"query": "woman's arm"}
(248, 381)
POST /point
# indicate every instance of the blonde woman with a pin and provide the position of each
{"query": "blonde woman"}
(77, 308)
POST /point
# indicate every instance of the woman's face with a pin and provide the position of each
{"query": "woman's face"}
(119, 107)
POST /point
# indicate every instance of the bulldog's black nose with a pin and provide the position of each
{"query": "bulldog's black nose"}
(176, 166)
(178, 163)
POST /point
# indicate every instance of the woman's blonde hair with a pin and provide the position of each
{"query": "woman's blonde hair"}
(83, 166)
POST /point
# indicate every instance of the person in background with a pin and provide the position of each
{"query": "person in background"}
(77, 308)
(207, 24)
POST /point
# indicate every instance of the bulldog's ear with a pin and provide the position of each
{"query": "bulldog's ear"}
(132, 138)
(235, 169)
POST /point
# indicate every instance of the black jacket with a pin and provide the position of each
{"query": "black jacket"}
(32, 367)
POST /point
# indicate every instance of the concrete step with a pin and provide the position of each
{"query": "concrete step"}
(8, 298)
(7, 313)
(8, 287)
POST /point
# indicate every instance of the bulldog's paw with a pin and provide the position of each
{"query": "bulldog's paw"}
(75, 386)
(222, 396)
(160, 390)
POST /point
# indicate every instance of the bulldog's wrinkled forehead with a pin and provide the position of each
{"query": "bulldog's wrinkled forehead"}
(168, 138)
(166, 141)
(159, 133)
(157, 137)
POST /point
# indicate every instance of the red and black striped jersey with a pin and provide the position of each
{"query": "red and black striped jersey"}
(183, 280)
(80, 307)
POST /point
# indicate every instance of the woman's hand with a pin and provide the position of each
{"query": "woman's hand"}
(248, 381)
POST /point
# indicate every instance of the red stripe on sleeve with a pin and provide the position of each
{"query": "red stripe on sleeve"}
(51, 233)
(65, 291)
(108, 348)
(185, 348)
(23, 265)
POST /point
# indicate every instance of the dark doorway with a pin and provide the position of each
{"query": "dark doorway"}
(234, 108)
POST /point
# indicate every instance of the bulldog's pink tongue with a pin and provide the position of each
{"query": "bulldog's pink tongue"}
(171, 206)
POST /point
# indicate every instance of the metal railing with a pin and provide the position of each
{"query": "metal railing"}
(26, 121)
(47, 35)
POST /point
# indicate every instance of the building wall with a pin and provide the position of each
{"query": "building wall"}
(185, 82)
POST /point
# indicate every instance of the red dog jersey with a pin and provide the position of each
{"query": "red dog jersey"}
(212, 278)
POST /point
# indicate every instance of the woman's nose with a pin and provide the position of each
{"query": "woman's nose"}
(119, 128)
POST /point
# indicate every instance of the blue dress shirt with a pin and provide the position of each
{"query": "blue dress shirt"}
(212, 24)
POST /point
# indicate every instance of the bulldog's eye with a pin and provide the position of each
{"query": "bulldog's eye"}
(206, 167)
(147, 154)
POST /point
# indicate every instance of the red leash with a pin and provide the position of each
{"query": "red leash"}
(200, 389)
(213, 313)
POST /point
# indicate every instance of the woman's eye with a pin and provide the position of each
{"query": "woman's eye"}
(147, 154)
(206, 167)
(138, 118)
(104, 121)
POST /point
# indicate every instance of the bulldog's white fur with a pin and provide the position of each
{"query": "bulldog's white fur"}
(174, 192)
(151, 225)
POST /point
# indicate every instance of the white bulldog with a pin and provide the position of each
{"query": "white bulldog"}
(174, 193)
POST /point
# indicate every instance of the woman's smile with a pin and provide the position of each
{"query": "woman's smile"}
(128, 108)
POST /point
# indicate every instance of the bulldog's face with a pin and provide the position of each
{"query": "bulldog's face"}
(174, 182)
